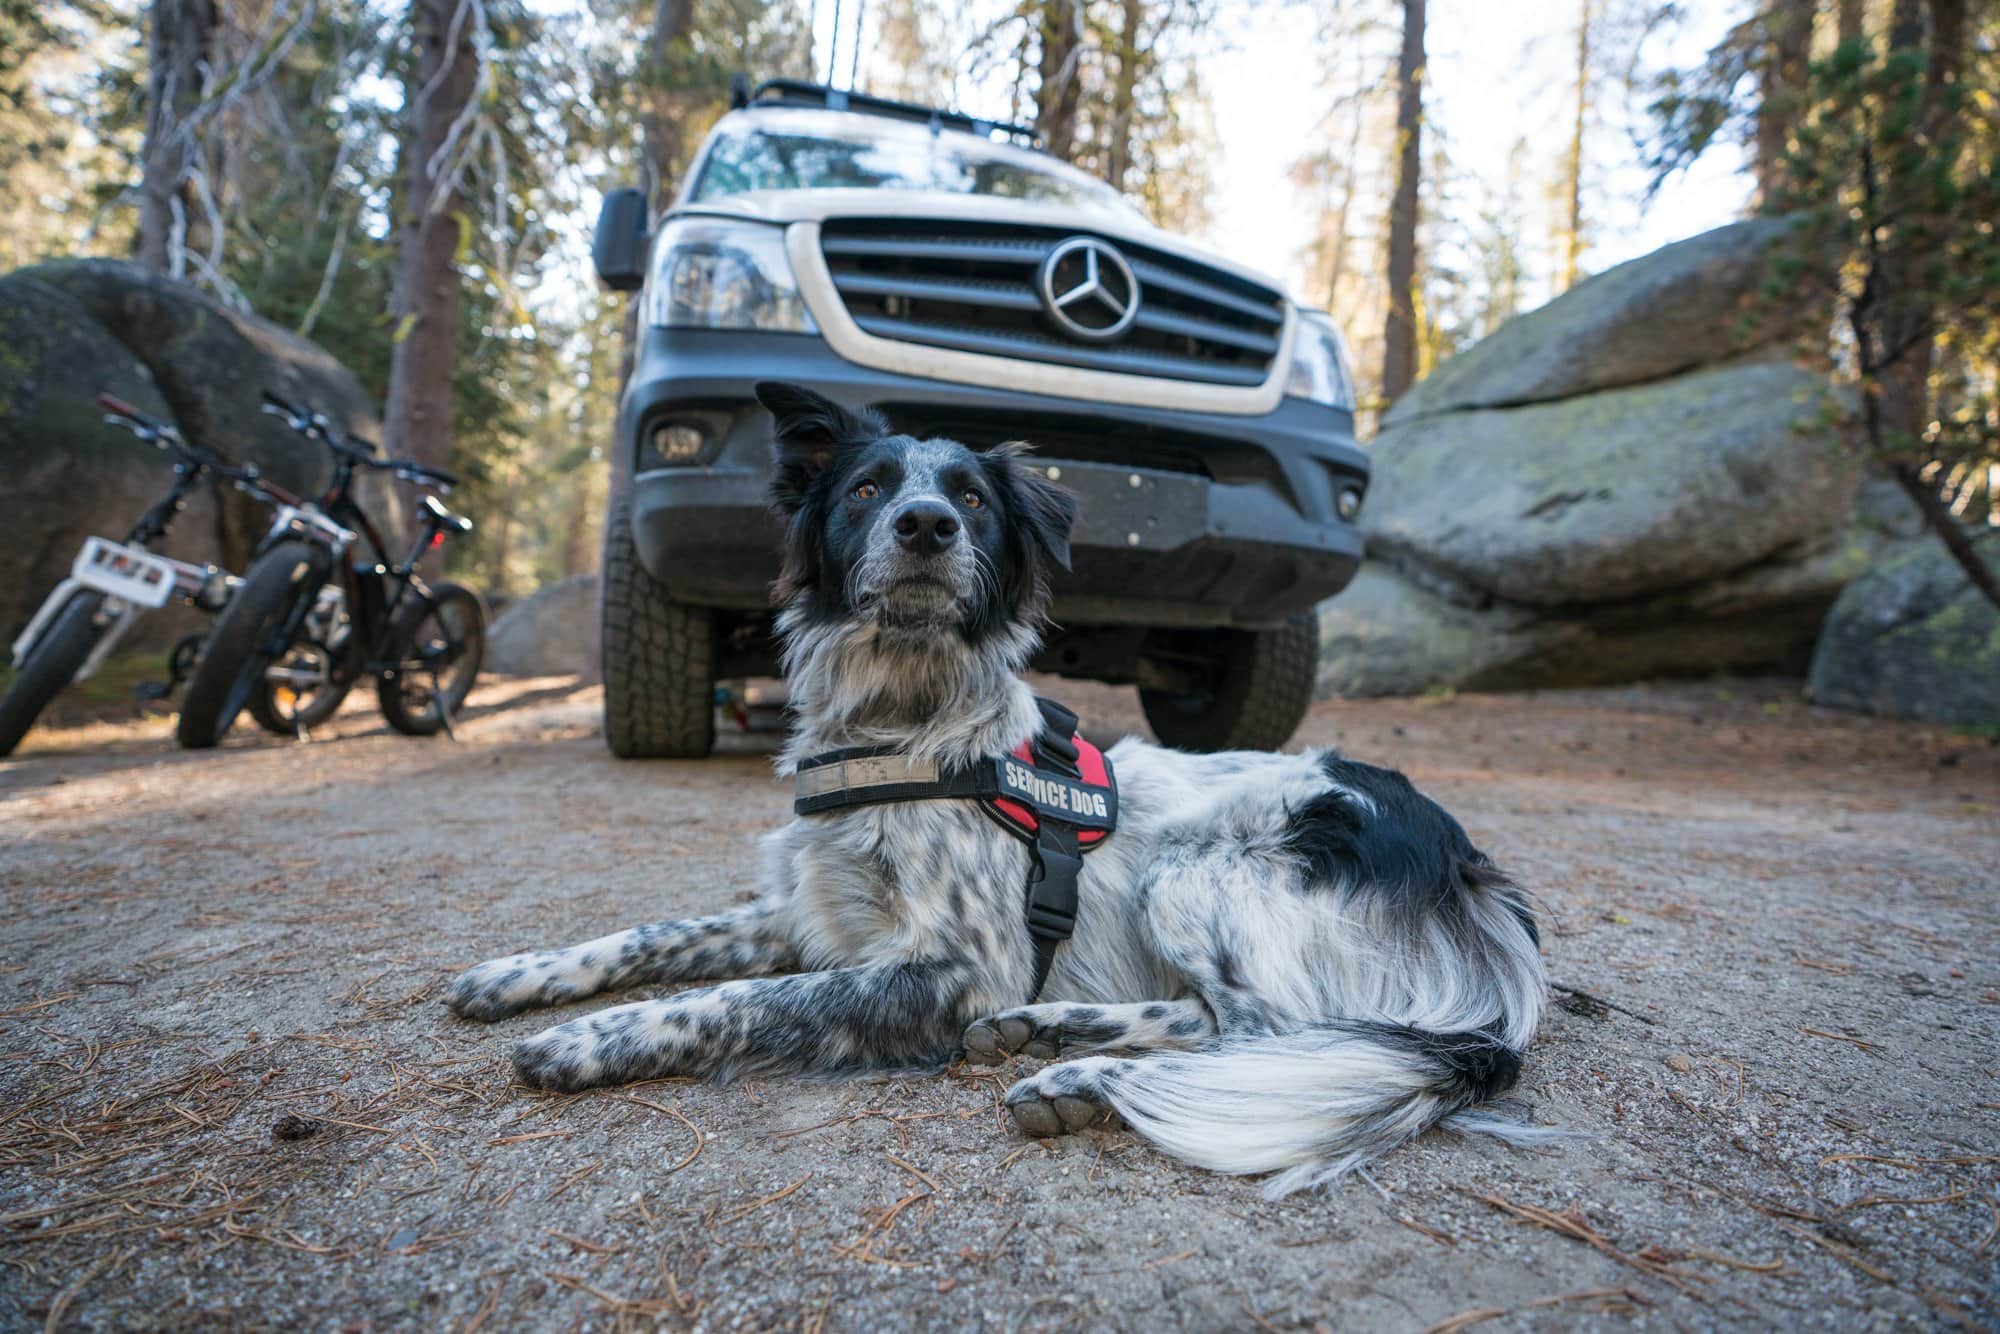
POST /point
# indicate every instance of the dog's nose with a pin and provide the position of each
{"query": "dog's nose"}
(926, 527)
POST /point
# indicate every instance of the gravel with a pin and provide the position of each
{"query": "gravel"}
(229, 1095)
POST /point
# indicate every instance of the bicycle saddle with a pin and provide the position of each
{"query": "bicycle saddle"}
(444, 518)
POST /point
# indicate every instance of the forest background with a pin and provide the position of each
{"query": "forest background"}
(412, 183)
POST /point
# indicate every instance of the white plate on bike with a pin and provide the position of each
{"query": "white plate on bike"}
(124, 572)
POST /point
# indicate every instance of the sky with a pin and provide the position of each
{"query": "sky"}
(1499, 70)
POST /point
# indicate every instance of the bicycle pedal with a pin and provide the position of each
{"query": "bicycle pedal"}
(152, 690)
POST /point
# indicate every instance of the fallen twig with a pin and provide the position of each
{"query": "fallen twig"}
(678, 1115)
(74, 1289)
(1569, 1225)
(745, 1210)
(1609, 1005)
(1862, 1043)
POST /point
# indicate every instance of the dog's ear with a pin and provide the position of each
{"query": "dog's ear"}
(1046, 512)
(811, 431)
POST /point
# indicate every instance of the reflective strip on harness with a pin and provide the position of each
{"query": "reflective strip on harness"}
(863, 772)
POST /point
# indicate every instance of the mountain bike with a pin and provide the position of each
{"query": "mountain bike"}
(111, 584)
(310, 620)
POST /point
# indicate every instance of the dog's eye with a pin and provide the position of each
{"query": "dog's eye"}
(973, 500)
(865, 491)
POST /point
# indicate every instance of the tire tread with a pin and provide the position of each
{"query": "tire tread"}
(659, 657)
(1267, 686)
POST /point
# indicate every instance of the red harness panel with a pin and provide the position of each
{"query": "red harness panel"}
(1090, 764)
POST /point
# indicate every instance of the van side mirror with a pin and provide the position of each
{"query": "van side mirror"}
(618, 248)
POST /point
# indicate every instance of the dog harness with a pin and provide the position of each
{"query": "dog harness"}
(1055, 792)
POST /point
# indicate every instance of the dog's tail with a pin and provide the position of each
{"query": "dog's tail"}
(1421, 1029)
(1317, 1102)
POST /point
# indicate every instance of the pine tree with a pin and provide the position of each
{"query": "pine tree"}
(1399, 330)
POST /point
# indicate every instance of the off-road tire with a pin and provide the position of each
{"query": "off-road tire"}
(52, 663)
(1263, 686)
(280, 577)
(659, 657)
(428, 721)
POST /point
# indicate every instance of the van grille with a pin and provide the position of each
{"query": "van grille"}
(971, 287)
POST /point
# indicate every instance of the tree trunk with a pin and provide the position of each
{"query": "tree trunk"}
(1896, 335)
(661, 129)
(672, 20)
(1903, 317)
(1336, 268)
(1399, 331)
(1848, 18)
(1787, 50)
(182, 53)
(1572, 237)
(1118, 155)
(1059, 92)
(417, 421)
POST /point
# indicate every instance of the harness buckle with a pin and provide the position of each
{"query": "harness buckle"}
(1052, 893)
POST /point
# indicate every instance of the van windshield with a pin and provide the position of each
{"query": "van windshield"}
(762, 159)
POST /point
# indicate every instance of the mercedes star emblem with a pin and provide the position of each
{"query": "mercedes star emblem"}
(1088, 289)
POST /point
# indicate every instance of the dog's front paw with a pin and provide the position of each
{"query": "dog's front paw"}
(991, 1041)
(499, 987)
(563, 1059)
(1058, 1101)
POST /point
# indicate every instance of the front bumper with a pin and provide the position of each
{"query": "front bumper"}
(1186, 519)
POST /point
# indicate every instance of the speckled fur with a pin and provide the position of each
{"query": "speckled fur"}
(1300, 960)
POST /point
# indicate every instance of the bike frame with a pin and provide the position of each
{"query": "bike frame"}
(204, 586)
(337, 522)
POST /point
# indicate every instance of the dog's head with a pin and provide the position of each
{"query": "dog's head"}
(920, 538)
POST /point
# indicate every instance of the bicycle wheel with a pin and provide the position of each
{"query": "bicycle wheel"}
(443, 642)
(284, 709)
(239, 649)
(299, 691)
(51, 663)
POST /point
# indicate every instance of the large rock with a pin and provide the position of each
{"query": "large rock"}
(1386, 636)
(1398, 633)
(1617, 494)
(553, 633)
(1689, 304)
(67, 475)
(1634, 480)
(71, 329)
(1913, 639)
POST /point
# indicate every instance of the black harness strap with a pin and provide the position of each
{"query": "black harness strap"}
(1058, 864)
(1042, 798)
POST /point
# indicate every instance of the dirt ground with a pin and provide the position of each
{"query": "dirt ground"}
(229, 1095)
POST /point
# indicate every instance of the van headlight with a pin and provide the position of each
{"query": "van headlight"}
(713, 273)
(1319, 363)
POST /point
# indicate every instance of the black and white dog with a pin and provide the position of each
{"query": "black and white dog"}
(1297, 961)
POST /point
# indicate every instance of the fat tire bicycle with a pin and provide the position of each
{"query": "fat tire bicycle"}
(111, 584)
(309, 620)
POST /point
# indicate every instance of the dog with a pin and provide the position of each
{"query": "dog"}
(1281, 963)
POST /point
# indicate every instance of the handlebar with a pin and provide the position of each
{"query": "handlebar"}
(316, 425)
(245, 476)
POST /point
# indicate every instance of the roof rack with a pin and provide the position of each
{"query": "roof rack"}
(800, 93)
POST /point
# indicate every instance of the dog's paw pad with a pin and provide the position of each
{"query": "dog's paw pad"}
(1045, 1112)
(983, 1045)
(1037, 1117)
(992, 1041)
(1082, 1113)
(1014, 1032)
